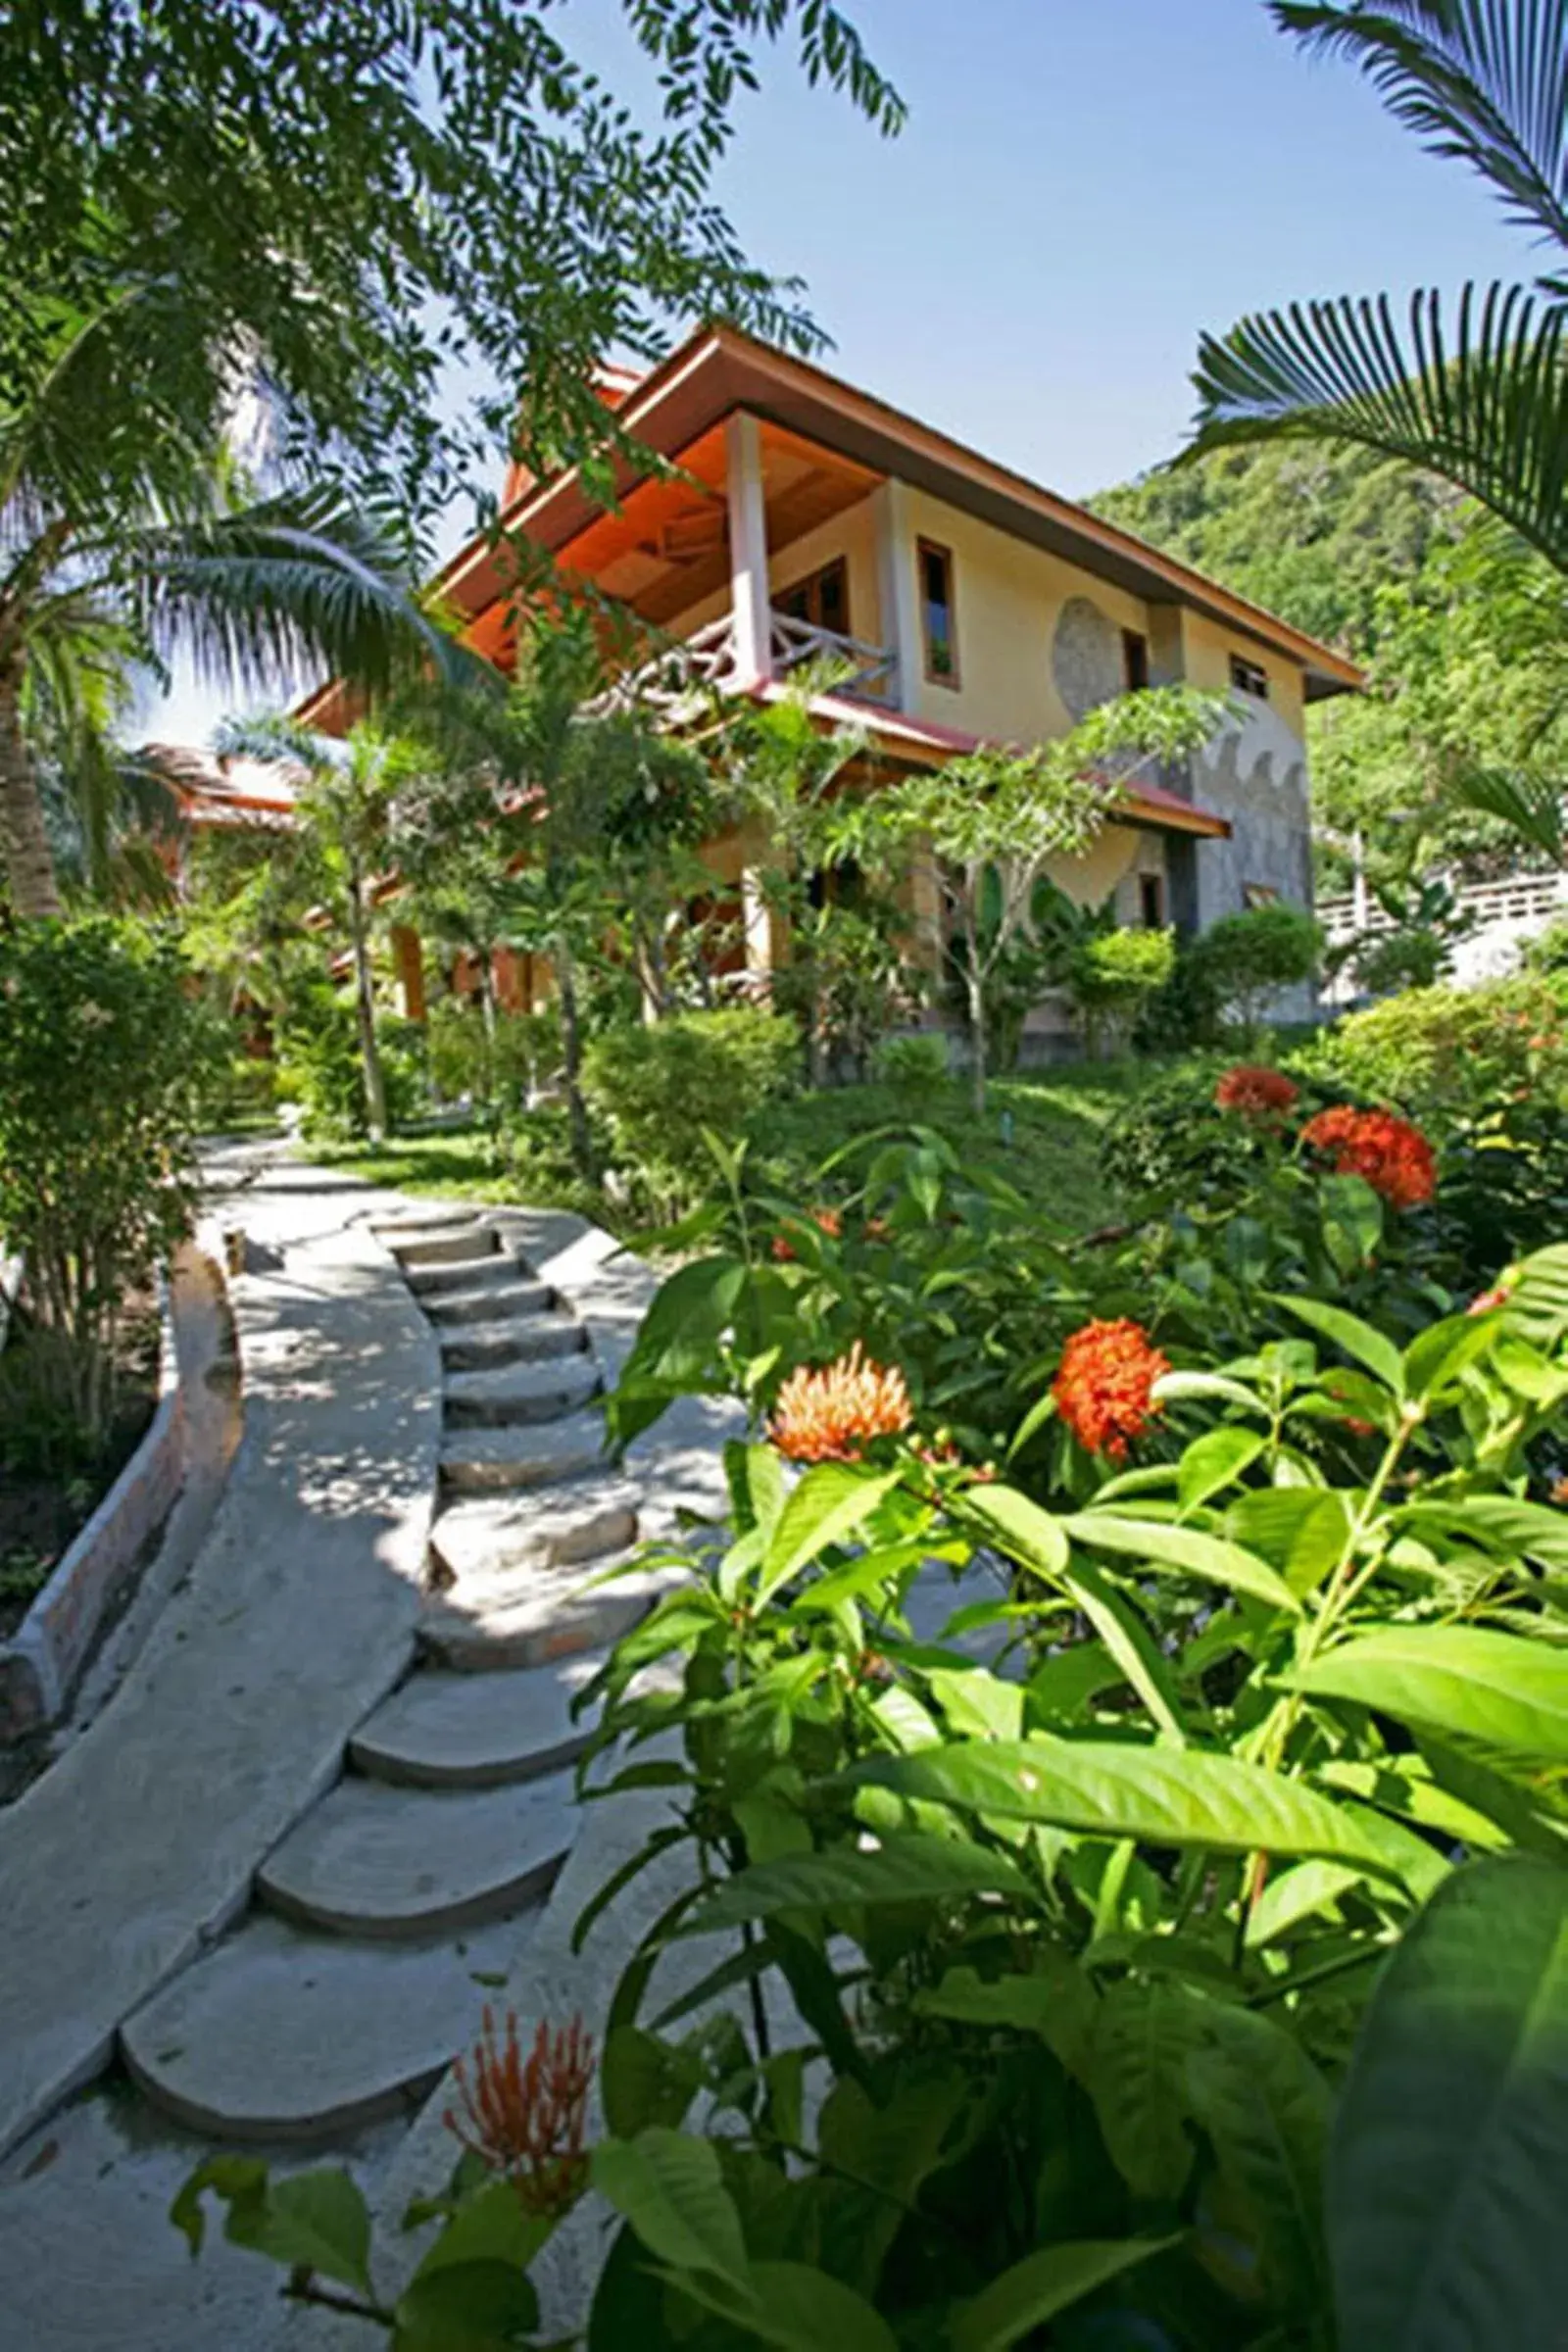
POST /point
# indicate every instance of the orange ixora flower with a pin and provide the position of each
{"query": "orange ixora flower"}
(1255, 1092)
(526, 2117)
(1393, 1158)
(1104, 1388)
(832, 1415)
(827, 1221)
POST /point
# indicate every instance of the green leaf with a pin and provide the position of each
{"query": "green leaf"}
(313, 2220)
(803, 2310)
(904, 1869)
(1347, 1332)
(1265, 2109)
(1294, 1894)
(1446, 1349)
(1144, 2034)
(671, 2190)
(828, 1506)
(1463, 1681)
(644, 2081)
(1444, 2198)
(1501, 1524)
(1215, 1461)
(1300, 1530)
(1031, 1535)
(1166, 1796)
(1157, 1545)
(1179, 1388)
(1057, 2000)
(490, 2225)
(1044, 2283)
(479, 2306)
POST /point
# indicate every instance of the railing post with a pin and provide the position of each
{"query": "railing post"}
(747, 550)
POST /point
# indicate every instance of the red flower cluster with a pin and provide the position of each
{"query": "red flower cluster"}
(832, 1415)
(526, 2118)
(828, 1221)
(1104, 1389)
(1256, 1091)
(1393, 1158)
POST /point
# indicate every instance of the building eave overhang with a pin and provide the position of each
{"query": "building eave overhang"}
(719, 371)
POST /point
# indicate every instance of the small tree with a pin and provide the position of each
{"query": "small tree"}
(1111, 978)
(990, 819)
(1244, 960)
(102, 1052)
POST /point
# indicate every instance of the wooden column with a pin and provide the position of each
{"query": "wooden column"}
(408, 964)
(748, 549)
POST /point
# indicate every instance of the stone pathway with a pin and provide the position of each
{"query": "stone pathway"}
(368, 1815)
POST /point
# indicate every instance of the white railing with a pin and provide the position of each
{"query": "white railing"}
(682, 680)
(1503, 917)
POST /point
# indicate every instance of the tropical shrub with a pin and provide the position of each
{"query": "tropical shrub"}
(102, 1055)
(1241, 963)
(658, 1089)
(1113, 975)
(1174, 1141)
(912, 1065)
(321, 1067)
(1448, 1055)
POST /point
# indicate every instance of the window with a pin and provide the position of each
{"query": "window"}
(822, 599)
(1134, 660)
(1248, 678)
(936, 612)
(1260, 894)
(1151, 901)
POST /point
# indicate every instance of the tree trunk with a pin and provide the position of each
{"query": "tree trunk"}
(487, 1011)
(582, 1142)
(24, 852)
(365, 1011)
(979, 1041)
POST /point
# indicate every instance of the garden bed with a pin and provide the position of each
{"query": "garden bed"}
(48, 1489)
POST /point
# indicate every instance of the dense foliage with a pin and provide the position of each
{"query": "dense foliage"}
(663, 1091)
(101, 1056)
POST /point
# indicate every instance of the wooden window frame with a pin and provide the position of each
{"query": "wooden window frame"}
(952, 677)
(1244, 671)
(811, 579)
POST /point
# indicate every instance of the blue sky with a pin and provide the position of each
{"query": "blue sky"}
(1081, 187)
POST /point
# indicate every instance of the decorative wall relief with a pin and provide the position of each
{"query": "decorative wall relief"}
(1086, 657)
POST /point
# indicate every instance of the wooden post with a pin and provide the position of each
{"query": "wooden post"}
(408, 962)
(747, 550)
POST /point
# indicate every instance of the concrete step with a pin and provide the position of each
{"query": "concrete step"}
(510, 1297)
(510, 1394)
(525, 1339)
(498, 1461)
(278, 2035)
(412, 1224)
(562, 1528)
(532, 1619)
(470, 1278)
(377, 1861)
(458, 1245)
(459, 1730)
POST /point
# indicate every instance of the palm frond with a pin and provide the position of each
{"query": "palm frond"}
(260, 597)
(1482, 400)
(1483, 81)
(1531, 806)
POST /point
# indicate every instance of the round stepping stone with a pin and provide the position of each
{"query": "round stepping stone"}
(451, 1730)
(514, 1393)
(377, 1861)
(490, 1270)
(532, 1620)
(492, 1461)
(589, 1517)
(525, 1338)
(275, 2035)
(490, 1301)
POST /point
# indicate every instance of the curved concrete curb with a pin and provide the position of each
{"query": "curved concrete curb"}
(42, 1661)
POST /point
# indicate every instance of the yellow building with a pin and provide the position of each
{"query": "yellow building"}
(970, 605)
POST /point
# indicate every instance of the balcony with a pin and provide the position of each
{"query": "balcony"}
(682, 682)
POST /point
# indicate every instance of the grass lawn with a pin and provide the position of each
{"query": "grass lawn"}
(1042, 1133)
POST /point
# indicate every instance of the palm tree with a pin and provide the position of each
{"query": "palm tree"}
(151, 540)
(1476, 393)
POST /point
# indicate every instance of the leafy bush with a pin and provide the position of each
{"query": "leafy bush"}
(503, 1068)
(1548, 953)
(319, 1067)
(1113, 975)
(102, 1057)
(1243, 962)
(1448, 1055)
(240, 1091)
(657, 1089)
(913, 1065)
(1173, 1143)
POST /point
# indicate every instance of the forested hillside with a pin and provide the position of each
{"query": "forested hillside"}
(1464, 634)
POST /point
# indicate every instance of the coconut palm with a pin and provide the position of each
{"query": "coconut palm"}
(1477, 391)
(151, 540)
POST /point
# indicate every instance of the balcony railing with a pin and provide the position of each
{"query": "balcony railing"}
(682, 680)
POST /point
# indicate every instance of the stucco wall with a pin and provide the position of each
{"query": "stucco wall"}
(1255, 776)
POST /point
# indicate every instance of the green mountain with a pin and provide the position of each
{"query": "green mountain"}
(1311, 532)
